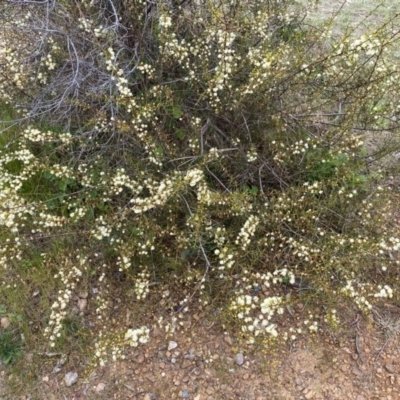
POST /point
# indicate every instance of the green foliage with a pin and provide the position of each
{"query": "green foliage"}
(10, 346)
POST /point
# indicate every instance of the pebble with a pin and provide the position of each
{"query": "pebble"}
(172, 345)
(100, 387)
(82, 304)
(5, 322)
(156, 332)
(186, 363)
(228, 340)
(390, 368)
(185, 394)
(239, 359)
(71, 378)
(173, 360)
(356, 371)
(310, 395)
(140, 359)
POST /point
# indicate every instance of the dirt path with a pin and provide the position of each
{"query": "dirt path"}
(361, 364)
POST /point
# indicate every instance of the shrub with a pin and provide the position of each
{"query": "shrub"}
(204, 152)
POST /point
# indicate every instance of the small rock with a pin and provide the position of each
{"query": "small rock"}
(185, 394)
(356, 371)
(100, 387)
(5, 322)
(229, 360)
(59, 365)
(147, 396)
(185, 324)
(173, 360)
(197, 397)
(56, 369)
(45, 379)
(71, 378)
(83, 295)
(82, 304)
(347, 350)
(140, 359)
(239, 359)
(344, 368)
(310, 395)
(156, 332)
(390, 368)
(186, 363)
(189, 356)
(172, 345)
(379, 370)
(228, 340)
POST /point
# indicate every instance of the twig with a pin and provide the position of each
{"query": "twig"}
(357, 340)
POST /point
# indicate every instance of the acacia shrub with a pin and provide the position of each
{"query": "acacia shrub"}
(195, 153)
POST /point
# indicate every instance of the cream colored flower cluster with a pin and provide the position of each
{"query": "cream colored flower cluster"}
(162, 191)
(102, 230)
(226, 255)
(141, 288)
(15, 66)
(36, 135)
(137, 336)
(69, 275)
(255, 311)
(358, 292)
(247, 232)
